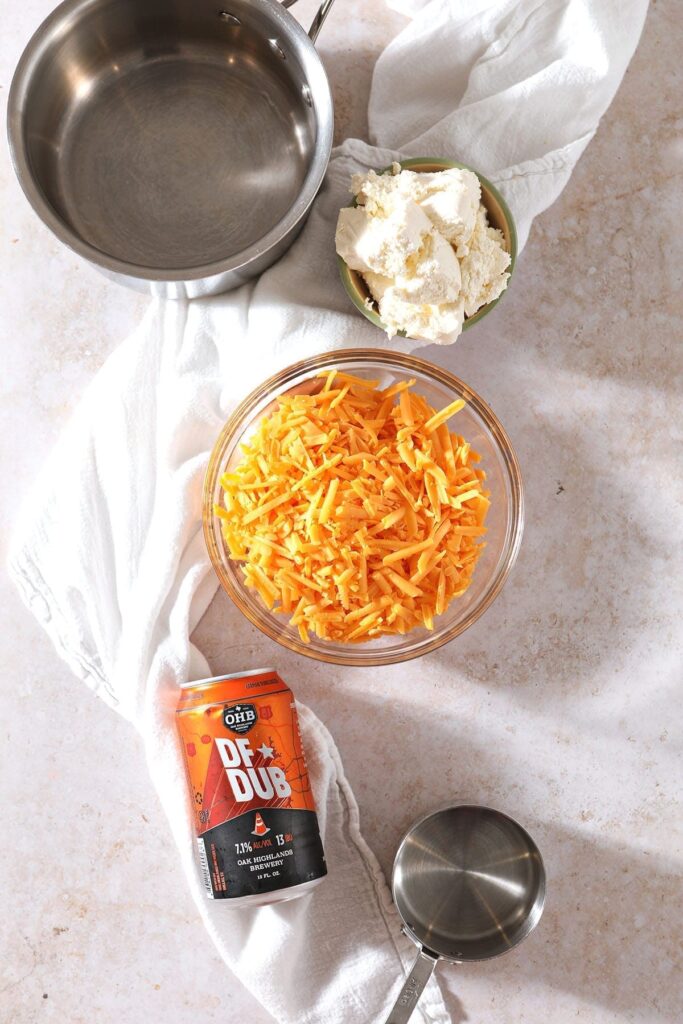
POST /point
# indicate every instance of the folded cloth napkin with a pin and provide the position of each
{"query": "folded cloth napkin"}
(109, 552)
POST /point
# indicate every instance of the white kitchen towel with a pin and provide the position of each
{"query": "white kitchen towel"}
(108, 550)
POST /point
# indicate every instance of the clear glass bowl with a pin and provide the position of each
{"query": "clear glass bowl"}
(476, 422)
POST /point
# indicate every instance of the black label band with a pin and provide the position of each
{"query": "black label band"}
(261, 851)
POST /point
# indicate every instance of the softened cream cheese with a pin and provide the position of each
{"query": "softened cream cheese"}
(424, 246)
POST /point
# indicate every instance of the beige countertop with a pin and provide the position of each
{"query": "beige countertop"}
(562, 705)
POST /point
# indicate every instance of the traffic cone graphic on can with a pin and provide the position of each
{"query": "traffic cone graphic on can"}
(260, 827)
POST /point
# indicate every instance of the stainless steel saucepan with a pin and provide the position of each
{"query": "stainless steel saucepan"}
(469, 884)
(175, 144)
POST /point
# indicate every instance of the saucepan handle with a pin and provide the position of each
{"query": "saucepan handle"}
(319, 19)
(419, 975)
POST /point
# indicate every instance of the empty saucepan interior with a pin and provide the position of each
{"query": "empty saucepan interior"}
(469, 884)
(172, 141)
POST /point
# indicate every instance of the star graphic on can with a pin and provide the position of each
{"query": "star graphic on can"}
(265, 751)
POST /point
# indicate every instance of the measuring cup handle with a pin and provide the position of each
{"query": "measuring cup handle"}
(419, 975)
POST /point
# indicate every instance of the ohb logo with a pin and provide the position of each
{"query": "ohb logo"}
(240, 717)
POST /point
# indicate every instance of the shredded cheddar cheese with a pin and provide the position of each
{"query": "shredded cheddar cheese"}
(355, 511)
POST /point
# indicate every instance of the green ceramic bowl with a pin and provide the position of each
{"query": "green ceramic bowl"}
(499, 217)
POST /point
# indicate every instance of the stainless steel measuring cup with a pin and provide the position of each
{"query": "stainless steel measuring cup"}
(469, 884)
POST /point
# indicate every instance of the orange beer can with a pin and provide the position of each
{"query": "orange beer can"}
(257, 831)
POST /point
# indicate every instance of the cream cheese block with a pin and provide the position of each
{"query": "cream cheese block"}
(424, 246)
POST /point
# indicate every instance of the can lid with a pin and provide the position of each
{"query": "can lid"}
(220, 679)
